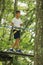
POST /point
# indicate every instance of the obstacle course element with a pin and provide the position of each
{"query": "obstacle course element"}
(7, 57)
(18, 28)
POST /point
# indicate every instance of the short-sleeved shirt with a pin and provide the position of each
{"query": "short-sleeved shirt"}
(17, 22)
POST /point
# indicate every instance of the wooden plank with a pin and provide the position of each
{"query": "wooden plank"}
(15, 53)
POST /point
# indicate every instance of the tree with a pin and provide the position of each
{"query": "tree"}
(2, 8)
(39, 33)
(15, 6)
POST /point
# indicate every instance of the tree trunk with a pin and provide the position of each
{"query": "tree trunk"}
(15, 6)
(2, 8)
(39, 33)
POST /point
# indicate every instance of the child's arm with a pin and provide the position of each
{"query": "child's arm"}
(21, 24)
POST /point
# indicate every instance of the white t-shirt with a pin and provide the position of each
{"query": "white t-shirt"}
(17, 22)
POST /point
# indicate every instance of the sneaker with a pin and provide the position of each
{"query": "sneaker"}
(19, 51)
(11, 50)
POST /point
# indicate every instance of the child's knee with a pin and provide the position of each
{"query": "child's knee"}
(17, 39)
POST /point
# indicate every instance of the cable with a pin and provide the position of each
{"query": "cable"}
(18, 28)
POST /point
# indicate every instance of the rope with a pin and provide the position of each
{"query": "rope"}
(17, 28)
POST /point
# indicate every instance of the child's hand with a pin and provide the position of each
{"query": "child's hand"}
(11, 24)
(21, 24)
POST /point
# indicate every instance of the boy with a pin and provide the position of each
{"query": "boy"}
(17, 23)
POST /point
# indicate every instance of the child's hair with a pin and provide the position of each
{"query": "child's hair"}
(17, 11)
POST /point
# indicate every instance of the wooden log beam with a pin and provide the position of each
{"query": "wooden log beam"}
(15, 53)
(6, 57)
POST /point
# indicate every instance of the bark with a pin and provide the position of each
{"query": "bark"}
(2, 8)
(39, 33)
(15, 6)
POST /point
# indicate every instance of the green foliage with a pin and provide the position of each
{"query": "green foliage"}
(27, 38)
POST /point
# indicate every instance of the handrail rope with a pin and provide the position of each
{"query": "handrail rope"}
(17, 28)
(15, 53)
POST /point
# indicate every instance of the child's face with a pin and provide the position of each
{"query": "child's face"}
(18, 15)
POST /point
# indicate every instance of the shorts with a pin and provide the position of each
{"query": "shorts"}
(16, 34)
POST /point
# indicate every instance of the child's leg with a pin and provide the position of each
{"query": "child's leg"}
(16, 44)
